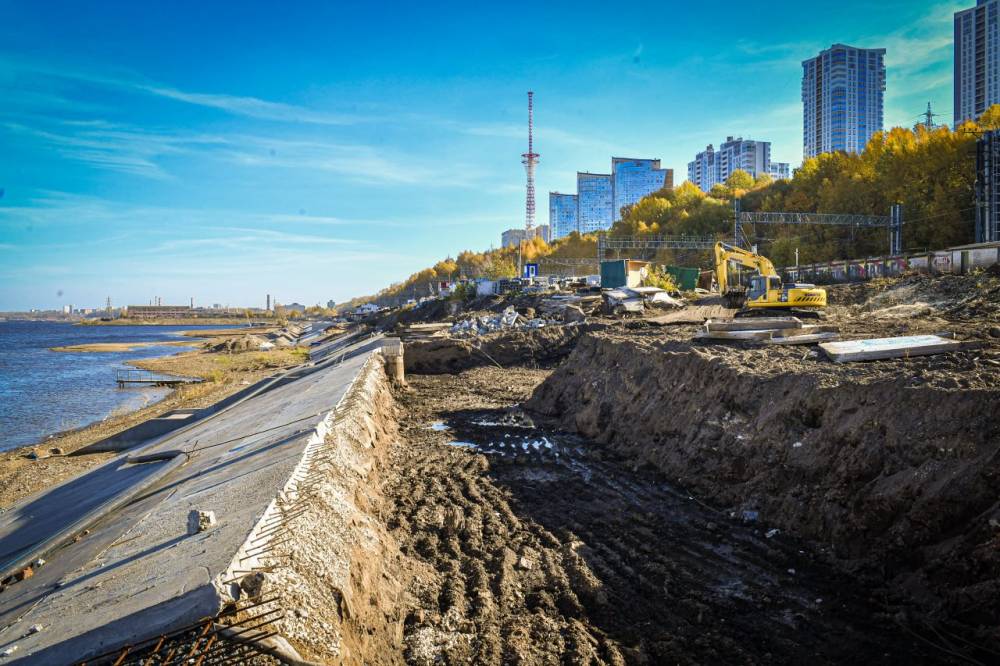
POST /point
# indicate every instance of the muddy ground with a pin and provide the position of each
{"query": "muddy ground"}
(526, 545)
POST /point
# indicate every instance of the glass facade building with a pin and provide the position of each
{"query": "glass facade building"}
(595, 201)
(736, 153)
(562, 214)
(842, 99)
(632, 179)
(977, 60)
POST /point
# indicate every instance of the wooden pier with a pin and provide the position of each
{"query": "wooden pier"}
(126, 378)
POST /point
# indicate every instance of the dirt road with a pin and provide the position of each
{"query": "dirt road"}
(528, 546)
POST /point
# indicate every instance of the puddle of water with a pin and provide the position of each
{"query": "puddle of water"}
(463, 445)
(438, 426)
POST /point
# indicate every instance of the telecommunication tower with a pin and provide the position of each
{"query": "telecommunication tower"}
(529, 160)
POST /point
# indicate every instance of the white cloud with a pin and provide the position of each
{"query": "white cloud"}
(248, 106)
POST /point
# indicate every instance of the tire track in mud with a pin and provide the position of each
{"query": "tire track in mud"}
(564, 553)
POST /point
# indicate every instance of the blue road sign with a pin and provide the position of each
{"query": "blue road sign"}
(530, 270)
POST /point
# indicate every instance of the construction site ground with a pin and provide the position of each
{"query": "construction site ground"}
(529, 545)
(880, 474)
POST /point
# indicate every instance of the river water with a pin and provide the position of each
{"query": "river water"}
(43, 392)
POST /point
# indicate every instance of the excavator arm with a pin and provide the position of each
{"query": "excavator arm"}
(725, 253)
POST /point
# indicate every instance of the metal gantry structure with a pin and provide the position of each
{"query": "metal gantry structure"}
(659, 242)
(529, 160)
(893, 222)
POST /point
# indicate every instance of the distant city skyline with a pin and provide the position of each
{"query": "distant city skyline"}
(303, 152)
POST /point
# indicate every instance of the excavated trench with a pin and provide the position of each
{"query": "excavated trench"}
(526, 543)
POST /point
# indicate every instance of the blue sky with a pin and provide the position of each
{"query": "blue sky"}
(317, 151)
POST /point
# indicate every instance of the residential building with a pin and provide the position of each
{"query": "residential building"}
(595, 202)
(715, 166)
(634, 178)
(513, 237)
(701, 171)
(562, 214)
(842, 99)
(988, 187)
(780, 170)
(977, 60)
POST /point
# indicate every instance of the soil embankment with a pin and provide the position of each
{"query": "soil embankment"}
(891, 465)
(503, 348)
(341, 584)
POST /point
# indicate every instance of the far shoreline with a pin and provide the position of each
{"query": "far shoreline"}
(119, 347)
(242, 322)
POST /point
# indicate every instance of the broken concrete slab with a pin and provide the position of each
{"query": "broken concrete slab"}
(734, 335)
(875, 349)
(806, 339)
(753, 324)
(802, 335)
(808, 329)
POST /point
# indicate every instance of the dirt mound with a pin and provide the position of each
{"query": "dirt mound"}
(898, 478)
(447, 355)
(969, 299)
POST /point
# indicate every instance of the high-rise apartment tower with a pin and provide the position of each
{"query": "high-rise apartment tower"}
(977, 60)
(842, 99)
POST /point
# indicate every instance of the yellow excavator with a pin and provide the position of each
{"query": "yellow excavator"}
(765, 293)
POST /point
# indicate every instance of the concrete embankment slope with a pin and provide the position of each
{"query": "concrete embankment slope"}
(891, 465)
(124, 561)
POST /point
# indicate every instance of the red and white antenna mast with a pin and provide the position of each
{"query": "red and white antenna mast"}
(529, 160)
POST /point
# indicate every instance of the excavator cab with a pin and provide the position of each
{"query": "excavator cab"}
(761, 287)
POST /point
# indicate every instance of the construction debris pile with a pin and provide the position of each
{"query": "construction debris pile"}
(556, 306)
(484, 324)
(285, 337)
(635, 300)
(243, 343)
